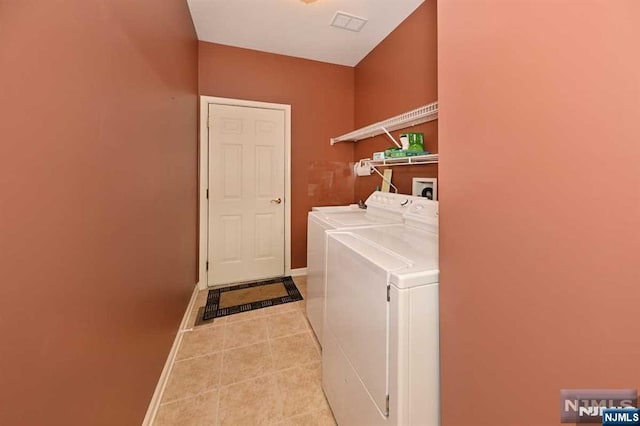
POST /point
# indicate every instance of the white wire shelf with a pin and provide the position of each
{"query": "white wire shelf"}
(405, 161)
(417, 116)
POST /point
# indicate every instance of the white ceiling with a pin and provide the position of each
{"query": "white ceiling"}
(291, 27)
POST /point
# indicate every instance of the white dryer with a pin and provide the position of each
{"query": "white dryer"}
(380, 363)
(382, 209)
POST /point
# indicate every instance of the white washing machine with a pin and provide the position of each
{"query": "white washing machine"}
(382, 209)
(380, 362)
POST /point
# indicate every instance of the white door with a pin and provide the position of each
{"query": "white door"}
(246, 193)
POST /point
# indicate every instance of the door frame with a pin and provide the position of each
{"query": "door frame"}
(203, 178)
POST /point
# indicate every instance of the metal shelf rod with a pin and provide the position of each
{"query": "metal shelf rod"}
(414, 117)
(405, 161)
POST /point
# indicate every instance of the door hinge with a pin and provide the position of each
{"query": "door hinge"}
(207, 194)
(388, 293)
(387, 405)
(207, 265)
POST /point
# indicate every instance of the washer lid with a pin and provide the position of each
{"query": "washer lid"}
(328, 209)
(418, 249)
(379, 256)
(361, 218)
(354, 218)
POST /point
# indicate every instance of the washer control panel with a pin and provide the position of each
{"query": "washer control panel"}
(398, 203)
(423, 213)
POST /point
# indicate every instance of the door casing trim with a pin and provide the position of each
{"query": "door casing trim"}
(203, 178)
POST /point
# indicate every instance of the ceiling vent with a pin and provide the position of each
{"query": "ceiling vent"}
(348, 22)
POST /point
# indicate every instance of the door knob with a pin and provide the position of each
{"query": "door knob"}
(277, 201)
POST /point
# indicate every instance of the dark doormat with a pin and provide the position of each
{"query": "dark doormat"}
(246, 297)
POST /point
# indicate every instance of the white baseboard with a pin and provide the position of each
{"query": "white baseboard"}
(152, 410)
(298, 272)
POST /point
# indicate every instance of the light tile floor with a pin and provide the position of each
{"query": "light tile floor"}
(256, 368)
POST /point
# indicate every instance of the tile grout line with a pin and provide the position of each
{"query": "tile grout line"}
(240, 382)
(191, 358)
(219, 388)
(297, 309)
(167, 370)
(176, 361)
(306, 330)
(273, 371)
(186, 398)
(224, 342)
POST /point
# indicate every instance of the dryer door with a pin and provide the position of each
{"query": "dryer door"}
(357, 311)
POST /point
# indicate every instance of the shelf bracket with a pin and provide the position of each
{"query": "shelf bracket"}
(391, 137)
(384, 179)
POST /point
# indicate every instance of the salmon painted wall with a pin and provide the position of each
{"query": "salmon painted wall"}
(322, 105)
(98, 204)
(540, 208)
(400, 74)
